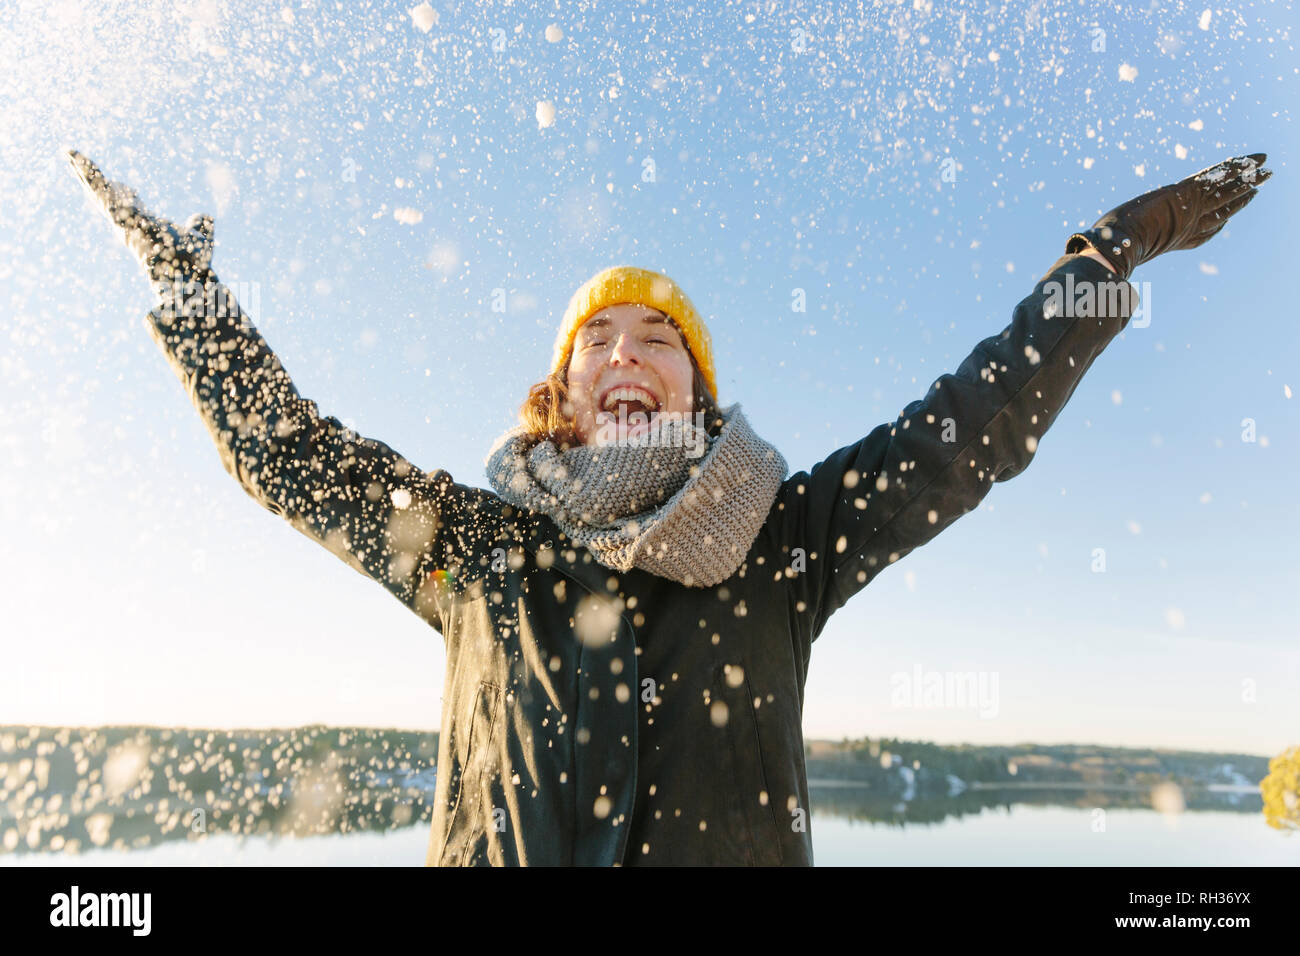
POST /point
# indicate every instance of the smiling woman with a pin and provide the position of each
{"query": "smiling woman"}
(549, 412)
(628, 357)
(636, 464)
(629, 629)
(663, 350)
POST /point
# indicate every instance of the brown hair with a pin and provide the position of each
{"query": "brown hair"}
(544, 416)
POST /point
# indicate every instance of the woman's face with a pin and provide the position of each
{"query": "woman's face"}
(629, 364)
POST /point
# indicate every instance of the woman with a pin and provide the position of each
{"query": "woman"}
(630, 613)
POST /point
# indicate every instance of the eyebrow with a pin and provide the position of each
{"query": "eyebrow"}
(652, 318)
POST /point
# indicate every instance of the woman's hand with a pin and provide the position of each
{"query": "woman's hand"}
(165, 251)
(1182, 215)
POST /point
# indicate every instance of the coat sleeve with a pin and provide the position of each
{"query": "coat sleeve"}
(871, 503)
(355, 496)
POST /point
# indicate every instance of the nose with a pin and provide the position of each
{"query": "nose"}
(626, 350)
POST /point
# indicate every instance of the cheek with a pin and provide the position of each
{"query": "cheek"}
(579, 388)
(683, 379)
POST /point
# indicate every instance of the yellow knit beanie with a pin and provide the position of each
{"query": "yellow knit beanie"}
(619, 284)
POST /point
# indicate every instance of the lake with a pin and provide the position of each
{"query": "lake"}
(847, 831)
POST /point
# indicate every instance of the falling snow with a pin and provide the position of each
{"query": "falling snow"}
(412, 193)
(424, 17)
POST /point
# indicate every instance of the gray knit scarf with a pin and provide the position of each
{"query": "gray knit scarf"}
(653, 501)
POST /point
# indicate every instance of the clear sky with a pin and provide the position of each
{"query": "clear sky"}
(374, 182)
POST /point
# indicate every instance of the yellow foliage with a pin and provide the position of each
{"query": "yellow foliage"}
(1281, 791)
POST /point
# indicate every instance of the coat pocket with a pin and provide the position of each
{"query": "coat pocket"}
(752, 789)
(467, 828)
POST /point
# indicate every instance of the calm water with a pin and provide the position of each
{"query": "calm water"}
(1017, 834)
(323, 796)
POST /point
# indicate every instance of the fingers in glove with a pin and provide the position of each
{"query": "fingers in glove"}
(1238, 204)
(115, 199)
(1215, 216)
(1238, 168)
(1204, 237)
(1212, 225)
(1216, 200)
(89, 174)
(1261, 174)
(1240, 187)
(120, 203)
(153, 241)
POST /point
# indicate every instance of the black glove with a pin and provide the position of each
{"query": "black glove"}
(1179, 216)
(166, 252)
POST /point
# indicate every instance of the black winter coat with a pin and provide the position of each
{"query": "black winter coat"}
(599, 718)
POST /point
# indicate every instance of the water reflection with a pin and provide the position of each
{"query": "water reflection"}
(69, 790)
(860, 803)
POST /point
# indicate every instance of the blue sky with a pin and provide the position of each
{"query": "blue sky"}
(376, 182)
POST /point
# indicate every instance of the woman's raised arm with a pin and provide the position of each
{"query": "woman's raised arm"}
(871, 503)
(355, 496)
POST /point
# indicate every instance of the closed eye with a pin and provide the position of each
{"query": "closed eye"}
(595, 342)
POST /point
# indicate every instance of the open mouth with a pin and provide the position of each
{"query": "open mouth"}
(625, 399)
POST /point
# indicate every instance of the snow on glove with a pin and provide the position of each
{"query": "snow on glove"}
(1178, 216)
(168, 253)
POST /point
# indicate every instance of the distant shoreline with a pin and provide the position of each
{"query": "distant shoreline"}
(809, 742)
(1120, 787)
(827, 783)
